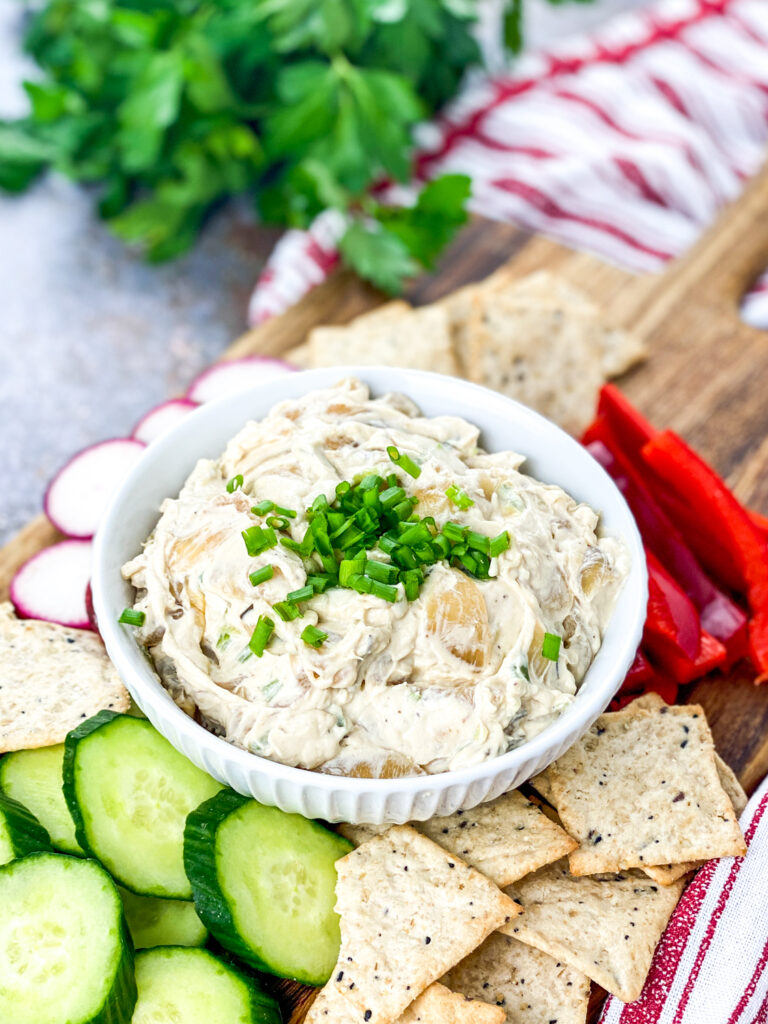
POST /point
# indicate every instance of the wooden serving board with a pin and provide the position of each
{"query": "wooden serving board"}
(706, 377)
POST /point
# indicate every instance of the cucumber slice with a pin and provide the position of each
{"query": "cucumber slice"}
(194, 986)
(20, 832)
(130, 792)
(156, 922)
(34, 778)
(264, 885)
(65, 954)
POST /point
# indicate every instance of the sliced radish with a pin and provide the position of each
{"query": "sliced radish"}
(78, 495)
(236, 375)
(52, 584)
(162, 418)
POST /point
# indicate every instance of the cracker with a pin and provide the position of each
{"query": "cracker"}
(531, 986)
(641, 788)
(605, 926)
(438, 1005)
(409, 911)
(504, 839)
(537, 355)
(666, 874)
(420, 340)
(388, 311)
(51, 679)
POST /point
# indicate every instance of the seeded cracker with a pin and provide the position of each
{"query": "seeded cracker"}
(668, 873)
(420, 340)
(641, 788)
(606, 926)
(409, 912)
(51, 679)
(532, 987)
(438, 1005)
(504, 839)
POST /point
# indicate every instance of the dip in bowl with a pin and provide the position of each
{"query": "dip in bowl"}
(445, 650)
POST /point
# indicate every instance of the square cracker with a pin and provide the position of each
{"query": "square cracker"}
(641, 788)
(666, 874)
(420, 340)
(409, 911)
(438, 1005)
(51, 679)
(504, 839)
(531, 986)
(605, 926)
(538, 355)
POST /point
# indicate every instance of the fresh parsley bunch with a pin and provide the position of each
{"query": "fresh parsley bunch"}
(171, 106)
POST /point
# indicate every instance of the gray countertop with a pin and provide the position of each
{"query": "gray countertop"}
(90, 336)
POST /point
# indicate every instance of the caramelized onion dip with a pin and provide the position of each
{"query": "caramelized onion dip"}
(479, 656)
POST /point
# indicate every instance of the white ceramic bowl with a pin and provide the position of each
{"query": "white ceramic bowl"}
(553, 457)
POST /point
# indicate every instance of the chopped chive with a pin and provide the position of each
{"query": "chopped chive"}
(287, 611)
(454, 532)
(392, 496)
(381, 571)
(383, 590)
(302, 594)
(320, 504)
(258, 539)
(289, 512)
(270, 690)
(403, 510)
(459, 498)
(343, 488)
(411, 582)
(362, 584)
(550, 647)
(263, 507)
(262, 575)
(349, 567)
(290, 543)
(132, 617)
(261, 634)
(320, 582)
(499, 544)
(478, 542)
(330, 564)
(403, 462)
(235, 483)
(278, 522)
(313, 636)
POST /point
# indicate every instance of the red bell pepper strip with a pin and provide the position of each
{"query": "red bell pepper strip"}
(640, 671)
(643, 678)
(760, 521)
(719, 614)
(724, 522)
(672, 634)
(622, 422)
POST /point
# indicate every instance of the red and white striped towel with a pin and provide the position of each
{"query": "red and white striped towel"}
(625, 142)
(711, 966)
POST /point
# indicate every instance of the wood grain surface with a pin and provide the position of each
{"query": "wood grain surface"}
(706, 376)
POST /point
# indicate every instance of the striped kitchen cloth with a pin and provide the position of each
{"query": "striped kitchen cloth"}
(625, 142)
(711, 966)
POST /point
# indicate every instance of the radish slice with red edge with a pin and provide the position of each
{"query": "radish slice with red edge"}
(160, 419)
(236, 375)
(79, 493)
(52, 584)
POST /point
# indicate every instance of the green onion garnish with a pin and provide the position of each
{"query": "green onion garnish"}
(383, 590)
(261, 634)
(262, 575)
(320, 582)
(313, 636)
(381, 571)
(302, 594)
(278, 522)
(404, 462)
(349, 567)
(287, 611)
(454, 532)
(290, 543)
(258, 539)
(459, 498)
(132, 617)
(263, 507)
(289, 512)
(235, 483)
(411, 582)
(478, 541)
(550, 647)
(499, 544)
